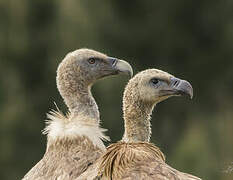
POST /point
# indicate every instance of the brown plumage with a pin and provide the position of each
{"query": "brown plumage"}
(135, 158)
(120, 155)
(75, 140)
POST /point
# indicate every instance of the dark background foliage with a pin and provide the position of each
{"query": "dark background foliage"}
(187, 38)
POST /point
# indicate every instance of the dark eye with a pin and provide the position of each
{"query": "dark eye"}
(91, 60)
(154, 81)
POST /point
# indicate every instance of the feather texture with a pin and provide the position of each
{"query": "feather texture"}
(68, 153)
(60, 126)
(132, 161)
(120, 156)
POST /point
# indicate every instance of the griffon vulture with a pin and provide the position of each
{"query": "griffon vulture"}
(74, 141)
(135, 158)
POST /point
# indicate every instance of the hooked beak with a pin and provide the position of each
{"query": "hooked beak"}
(181, 87)
(121, 66)
(178, 87)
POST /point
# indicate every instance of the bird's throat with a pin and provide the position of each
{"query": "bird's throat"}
(81, 103)
(137, 121)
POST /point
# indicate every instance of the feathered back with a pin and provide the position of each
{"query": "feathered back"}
(120, 156)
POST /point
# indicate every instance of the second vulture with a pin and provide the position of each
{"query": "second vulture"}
(135, 158)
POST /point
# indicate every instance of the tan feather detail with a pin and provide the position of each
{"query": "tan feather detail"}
(120, 156)
(65, 159)
(155, 170)
(132, 161)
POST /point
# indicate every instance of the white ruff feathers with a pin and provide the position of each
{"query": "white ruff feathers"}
(60, 126)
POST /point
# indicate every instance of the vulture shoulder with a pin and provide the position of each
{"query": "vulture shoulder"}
(118, 157)
(155, 170)
(66, 158)
(142, 160)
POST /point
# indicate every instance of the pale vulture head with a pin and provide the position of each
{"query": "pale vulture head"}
(83, 67)
(153, 86)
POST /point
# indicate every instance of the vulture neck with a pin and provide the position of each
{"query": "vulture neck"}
(82, 121)
(137, 115)
(82, 104)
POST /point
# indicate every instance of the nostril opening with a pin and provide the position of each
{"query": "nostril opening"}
(176, 83)
(114, 62)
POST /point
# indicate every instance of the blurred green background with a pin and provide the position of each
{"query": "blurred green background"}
(192, 39)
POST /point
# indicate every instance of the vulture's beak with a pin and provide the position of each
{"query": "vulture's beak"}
(121, 66)
(181, 87)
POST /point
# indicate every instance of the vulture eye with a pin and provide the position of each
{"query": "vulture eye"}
(91, 60)
(154, 81)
